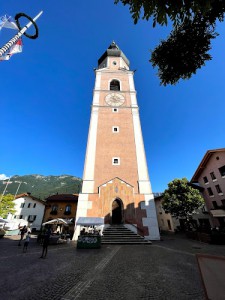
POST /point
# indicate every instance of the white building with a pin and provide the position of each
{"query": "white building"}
(29, 208)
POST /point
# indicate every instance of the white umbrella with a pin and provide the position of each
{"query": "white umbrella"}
(3, 221)
(57, 221)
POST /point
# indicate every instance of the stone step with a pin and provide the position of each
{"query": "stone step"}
(119, 234)
(119, 231)
(121, 237)
(125, 243)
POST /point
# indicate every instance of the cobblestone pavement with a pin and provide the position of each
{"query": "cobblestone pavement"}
(164, 270)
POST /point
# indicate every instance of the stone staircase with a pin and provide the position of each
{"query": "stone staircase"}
(119, 234)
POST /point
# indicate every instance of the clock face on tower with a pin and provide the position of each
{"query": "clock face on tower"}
(114, 99)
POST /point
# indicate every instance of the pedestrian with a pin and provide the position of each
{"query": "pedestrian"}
(26, 242)
(23, 230)
(45, 243)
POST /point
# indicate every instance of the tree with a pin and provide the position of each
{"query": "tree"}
(185, 51)
(177, 11)
(194, 24)
(181, 199)
(7, 205)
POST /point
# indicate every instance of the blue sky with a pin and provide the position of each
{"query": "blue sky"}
(46, 93)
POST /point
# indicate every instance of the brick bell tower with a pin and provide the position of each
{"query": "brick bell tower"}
(116, 183)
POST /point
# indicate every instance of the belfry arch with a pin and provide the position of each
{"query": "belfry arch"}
(115, 85)
(117, 211)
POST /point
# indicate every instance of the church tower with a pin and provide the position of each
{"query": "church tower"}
(116, 183)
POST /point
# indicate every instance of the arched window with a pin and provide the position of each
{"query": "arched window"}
(115, 85)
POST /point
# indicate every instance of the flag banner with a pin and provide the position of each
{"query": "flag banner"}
(7, 182)
(7, 22)
(5, 57)
(16, 48)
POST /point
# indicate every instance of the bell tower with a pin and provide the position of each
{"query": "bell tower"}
(116, 183)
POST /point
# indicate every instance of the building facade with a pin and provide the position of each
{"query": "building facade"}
(165, 220)
(200, 218)
(29, 208)
(116, 183)
(210, 175)
(63, 206)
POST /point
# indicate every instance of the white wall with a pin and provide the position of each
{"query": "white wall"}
(26, 211)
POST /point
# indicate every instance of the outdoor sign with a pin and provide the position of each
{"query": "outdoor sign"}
(89, 241)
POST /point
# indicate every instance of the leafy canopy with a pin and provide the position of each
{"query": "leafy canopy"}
(186, 49)
(176, 10)
(7, 205)
(181, 199)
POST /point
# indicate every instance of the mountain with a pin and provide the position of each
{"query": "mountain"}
(42, 186)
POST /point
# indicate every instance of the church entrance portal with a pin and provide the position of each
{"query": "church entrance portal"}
(117, 212)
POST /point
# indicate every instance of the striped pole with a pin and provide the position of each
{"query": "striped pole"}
(18, 35)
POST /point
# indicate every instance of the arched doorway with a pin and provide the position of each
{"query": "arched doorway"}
(117, 211)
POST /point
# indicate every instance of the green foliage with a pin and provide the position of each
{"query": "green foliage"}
(6, 205)
(184, 51)
(42, 186)
(177, 11)
(181, 199)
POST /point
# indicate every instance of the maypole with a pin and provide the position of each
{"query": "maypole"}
(22, 31)
(7, 183)
(18, 189)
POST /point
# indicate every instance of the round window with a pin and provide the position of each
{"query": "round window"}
(114, 62)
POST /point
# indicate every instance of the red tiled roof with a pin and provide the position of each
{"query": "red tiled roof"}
(29, 195)
(63, 197)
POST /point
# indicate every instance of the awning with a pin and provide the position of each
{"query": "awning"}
(57, 221)
(218, 213)
(89, 221)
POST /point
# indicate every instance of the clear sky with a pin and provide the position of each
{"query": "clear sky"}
(46, 93)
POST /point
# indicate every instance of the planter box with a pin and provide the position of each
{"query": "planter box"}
(192, 235)
(218, 239)
(199, 236)
(204, 237)
(89, 241)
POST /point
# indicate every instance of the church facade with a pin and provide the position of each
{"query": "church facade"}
(116, 183)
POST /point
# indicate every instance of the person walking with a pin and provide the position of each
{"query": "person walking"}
(45, 243)
(23, 230)
(26, 242)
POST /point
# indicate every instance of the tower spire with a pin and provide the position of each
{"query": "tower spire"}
(116, 185)
(113, 50)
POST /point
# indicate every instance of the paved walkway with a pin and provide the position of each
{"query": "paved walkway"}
(164, 270)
